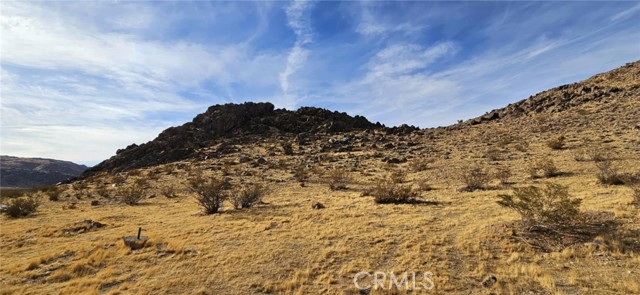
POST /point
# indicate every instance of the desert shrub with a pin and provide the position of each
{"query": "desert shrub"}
(169, 191)
(423, 185)
(53, 193)
(131, 195)
(22, 206)
(141, 182)
(633, 182)
(118, 179)
(607, 173)
(493, 154)
(550, 205)
(388, 191)
(247, 196)
(503, 173)
(103, 191)
(398, 176)
(475, 178)
(79, 186)
(421, 164)
(338, 179)
(301, 173)
(287, 148)
(210, 192)
(543, 168)
(556, 143)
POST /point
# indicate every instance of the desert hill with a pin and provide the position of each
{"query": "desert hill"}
(320, 222)
(32, 172)
(232, 123)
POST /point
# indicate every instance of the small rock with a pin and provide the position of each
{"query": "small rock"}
(317, 205)
(489, 281)
(95, 203)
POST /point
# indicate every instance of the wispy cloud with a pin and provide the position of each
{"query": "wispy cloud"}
(299, 21)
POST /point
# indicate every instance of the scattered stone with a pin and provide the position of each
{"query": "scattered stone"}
(83, 227)
(95, 203)
(489, 281)
(317, 205)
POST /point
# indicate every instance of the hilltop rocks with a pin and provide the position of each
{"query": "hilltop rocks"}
(234, 122)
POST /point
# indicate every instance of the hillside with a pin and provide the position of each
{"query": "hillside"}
(318, 226)
(234, 123)
(33, 172)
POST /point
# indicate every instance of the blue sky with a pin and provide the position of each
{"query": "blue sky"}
(82, 79)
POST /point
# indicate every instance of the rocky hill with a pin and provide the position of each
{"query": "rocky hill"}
(235, 122)
(32, 172)
(621, 83)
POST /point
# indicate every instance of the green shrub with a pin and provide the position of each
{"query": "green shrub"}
(550, 205)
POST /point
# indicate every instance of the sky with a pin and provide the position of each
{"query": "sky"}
(80, 80)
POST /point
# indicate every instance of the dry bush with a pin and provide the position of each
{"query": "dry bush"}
(53, 192)
(131, 195)
(607, 173)
(423, 185)
(103, 191)
(301, 173)
(210, 192)
(550, 206)
(388, 191)
(543, 168)
(79, 186)
(287, 148)
(556, 143)
(338, 179)
(118, 179)
(633, 182)
(421, 164)
(169, 191)
(398, 176)
(22, 206)
(503, 173)
(475, 178)
(246, 197)
(493, 154)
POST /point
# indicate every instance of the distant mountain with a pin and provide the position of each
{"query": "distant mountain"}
(32, 172)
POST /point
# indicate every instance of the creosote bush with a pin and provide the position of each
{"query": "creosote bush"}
(338, 179)
(248, 196)
(131, 195)
(633, 182)
(503, 173)
(287, 148)
(301, 173)
(607, 173)
(543, 168)
(550, 205)
(210, 192)
(22, 206)
(556, 143)
(475, 178)
(53, 193)
(388, 191)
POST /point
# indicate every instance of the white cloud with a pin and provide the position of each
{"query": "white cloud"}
(298, 19)
(62, 72)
